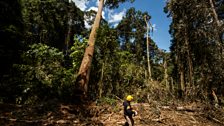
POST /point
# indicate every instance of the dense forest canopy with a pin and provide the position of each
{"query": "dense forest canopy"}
(47, 52)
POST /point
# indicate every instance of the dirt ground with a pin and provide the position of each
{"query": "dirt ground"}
(190, 115)
(92, 114)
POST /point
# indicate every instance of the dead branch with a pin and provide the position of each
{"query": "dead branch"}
(118, 98)
(148, 99)
(215, 98)
(160, 120)
(215, 120)
(109, 116)
(20, 120)
(166, 108)
(188, 109)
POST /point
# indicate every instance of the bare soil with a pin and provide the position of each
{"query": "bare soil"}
(93, 114)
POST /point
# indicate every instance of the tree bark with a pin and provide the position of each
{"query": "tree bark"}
(68, 36)
(147, 43)
(165, 73)
(101, 81)
(214, 13)
(182, 85)
(171, 85)
(189, 60)
(84, 70)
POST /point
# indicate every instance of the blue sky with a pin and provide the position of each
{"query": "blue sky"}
(154, 7)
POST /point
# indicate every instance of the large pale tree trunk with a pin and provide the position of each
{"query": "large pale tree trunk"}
(84, 70)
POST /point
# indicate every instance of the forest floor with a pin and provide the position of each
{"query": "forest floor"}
(95, 114)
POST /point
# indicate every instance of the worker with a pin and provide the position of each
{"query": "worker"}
(129, 112)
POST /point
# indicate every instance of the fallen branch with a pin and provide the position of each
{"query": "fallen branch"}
(20, 120)
(215, 120)
(118, 98)
(193, 119)
(188, 109)
(108, 116)
(148, 99)
(143, 120)
(159, 120)
(165, 108)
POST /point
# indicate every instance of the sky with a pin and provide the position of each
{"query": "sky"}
(159, 19)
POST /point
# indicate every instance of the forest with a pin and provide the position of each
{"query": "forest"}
(57, 72)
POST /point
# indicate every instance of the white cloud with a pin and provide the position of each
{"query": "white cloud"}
(97, 2)
(95, 9)
(154, 27)
(115, 17)
(87, 25)
(82, 4)
(115, 25)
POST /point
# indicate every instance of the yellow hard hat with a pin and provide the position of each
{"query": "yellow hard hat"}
(129, 98)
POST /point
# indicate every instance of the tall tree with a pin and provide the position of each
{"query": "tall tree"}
(106, 47)
(84, 70)
(132, 33)
(194, 30)
(148, 43)
(134, 38)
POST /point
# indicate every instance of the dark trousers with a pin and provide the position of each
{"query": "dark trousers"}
(129, 120)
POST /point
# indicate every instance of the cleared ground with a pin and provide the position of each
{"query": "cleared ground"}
(92, 114)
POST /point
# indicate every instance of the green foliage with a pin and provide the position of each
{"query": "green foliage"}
(48, 21)
(132, 34)
(43, 75)
(196, 38)
(133, 76)
(107, 100)
(77, 51)
(120, 70)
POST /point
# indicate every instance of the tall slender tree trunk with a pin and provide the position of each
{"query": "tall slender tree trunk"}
(165, 74)
(189, 60)
(68, 36)
(101, 81)
(182, 85)
(181, 90)
(214, 13)
(219, 32)
(171, 85)
(147, 43)
(84, 70)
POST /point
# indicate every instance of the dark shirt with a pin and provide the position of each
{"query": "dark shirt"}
(127, 108)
